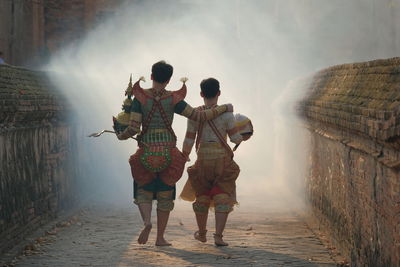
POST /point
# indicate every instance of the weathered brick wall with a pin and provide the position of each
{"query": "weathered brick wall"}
(32, 30)
(69, 20)
(21, 31)
(353, 113)
(37, 151)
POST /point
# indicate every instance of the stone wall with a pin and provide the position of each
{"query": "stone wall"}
(38, 174)
(353, 113)
(67, 21)
(21, 31)
(32, 30)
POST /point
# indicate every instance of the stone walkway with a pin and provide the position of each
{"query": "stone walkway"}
(107, 237)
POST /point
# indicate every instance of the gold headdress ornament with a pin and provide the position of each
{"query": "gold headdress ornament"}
(121, 121)
(184, 79)
(243, 124)
(128, 92)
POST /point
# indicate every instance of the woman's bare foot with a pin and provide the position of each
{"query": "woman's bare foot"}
(201, 236)
(144, 235)
(218, 240)
(161, 242)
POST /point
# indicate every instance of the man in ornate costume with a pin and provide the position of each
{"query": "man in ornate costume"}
(157, 164)
(213, 176)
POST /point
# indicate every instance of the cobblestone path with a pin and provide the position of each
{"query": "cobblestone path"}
(107, 237)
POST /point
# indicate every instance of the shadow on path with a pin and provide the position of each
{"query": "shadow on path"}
(227, 256)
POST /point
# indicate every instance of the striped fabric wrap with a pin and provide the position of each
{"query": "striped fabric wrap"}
(159, 137)
(211, 151)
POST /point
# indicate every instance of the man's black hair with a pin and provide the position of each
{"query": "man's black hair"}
(209, 87)
(161, 71)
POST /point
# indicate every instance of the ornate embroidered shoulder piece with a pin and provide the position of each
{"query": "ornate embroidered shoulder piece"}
(139, 93)
(179, 95)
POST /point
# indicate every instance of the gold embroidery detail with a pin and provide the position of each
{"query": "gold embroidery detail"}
(187, 112)
(136, 117)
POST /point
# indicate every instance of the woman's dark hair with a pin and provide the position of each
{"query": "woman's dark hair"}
(209, 87)
(161, 71)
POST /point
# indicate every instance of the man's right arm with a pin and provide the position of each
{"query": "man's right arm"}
(198, 115)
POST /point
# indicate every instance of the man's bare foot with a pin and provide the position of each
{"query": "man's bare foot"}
(144, 235)
(201, 236)
(218, 241)
(161, 242)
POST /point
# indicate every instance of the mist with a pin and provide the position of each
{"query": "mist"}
(258, 50)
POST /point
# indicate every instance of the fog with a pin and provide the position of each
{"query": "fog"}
(258, 50)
